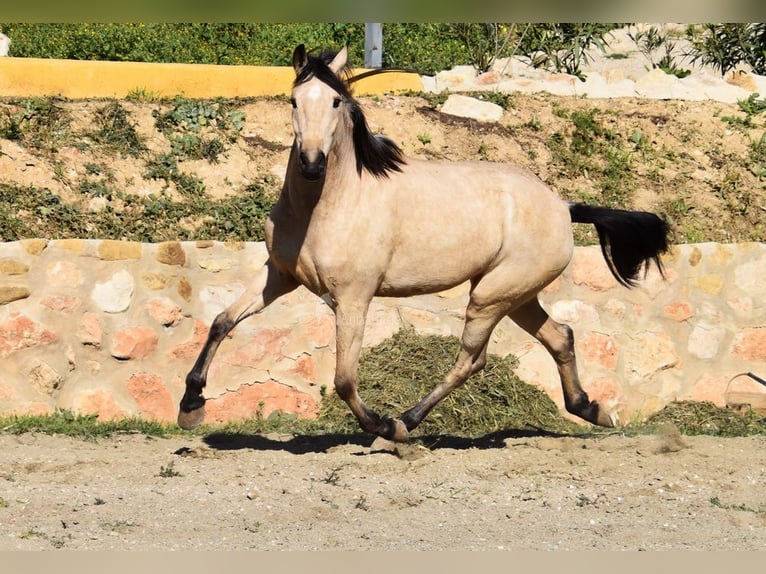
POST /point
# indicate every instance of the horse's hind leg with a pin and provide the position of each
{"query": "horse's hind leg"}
(558, 339)
(267, 286)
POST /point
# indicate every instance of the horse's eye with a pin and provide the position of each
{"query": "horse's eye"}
(292, 102)
(336, 102)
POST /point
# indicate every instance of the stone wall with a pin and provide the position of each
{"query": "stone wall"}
(113, 327)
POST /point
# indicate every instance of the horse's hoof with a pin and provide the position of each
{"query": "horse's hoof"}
(399, 432)
(603, 418)
(192, 419)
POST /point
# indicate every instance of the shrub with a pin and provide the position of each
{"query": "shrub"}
(724, 46)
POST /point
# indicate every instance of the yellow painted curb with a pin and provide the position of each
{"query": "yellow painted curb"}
(78, 79)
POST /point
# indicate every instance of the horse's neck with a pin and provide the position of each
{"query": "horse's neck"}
(340, 181)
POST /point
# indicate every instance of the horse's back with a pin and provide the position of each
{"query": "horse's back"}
(455, 220)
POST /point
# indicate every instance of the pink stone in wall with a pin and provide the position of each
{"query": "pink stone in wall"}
(599, 348)
(320, 330)
(20, 332)
(678, 311)
(606, 391)
(750, 344)
(266, 397)
(708, 388)
(192, 348)
(152, 397)
(266, 344)
(98, 402)
(305, 367)
(61, 303)
(589, 269)
(89, 331)
(164, 310)
(134, 343)
(64, 273)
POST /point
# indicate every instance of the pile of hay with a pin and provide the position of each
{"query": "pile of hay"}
(398, 372)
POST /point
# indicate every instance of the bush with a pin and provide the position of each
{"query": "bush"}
(427, 48)
(724, 46)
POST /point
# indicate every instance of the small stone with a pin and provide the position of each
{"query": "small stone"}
(164, 310)
(171, 253)
(8, 294)
(112, 250)
(13, 267)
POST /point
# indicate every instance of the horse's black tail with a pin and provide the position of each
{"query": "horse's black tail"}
(629, 240)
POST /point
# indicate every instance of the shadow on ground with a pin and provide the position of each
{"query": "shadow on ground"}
(303, 444)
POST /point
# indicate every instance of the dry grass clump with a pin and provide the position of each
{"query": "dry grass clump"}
(705, 418)
(398, 372)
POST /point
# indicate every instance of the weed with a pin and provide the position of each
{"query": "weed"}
(333, 477)
(361, 504)
(3, 503)
(41, 124)
(715, 501)
(115, 130)
(169, 471)
(253, 527)
(119, 526)
(652, 39)
(142, 95)
(424, 138)
(752, 105)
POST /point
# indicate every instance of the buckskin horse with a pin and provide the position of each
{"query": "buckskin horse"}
(356, 219)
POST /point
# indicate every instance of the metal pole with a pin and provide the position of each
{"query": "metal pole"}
(373, 45)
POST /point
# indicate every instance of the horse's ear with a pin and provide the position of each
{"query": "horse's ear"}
(299, 58)
(339, 61)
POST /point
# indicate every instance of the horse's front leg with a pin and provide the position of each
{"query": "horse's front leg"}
(350, 318)
(268, 285)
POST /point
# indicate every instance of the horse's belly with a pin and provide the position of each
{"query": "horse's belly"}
(406, 277)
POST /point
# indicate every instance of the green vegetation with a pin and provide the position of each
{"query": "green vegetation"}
(28, 212)
(427, 47)
(724, 46)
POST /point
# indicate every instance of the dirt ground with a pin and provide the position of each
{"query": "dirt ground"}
(504, 492)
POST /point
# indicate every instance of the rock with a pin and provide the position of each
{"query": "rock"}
(89, 331)
(114, 295)
(64, 274)
(467, 107)
(61, 303)
(45, 378)
(11, 293)
(111, 250)
(164, 311)
(266, 398)
(134, 343)
(192, 348)
(152, 397)
(171, 253)
(750, 344)
(13, 267)
(20, 332)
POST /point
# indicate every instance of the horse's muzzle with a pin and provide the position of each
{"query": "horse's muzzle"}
(313, 169)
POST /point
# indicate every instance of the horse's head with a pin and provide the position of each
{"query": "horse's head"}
(318, 96)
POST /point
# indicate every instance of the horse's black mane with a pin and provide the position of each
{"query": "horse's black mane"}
(376, 153)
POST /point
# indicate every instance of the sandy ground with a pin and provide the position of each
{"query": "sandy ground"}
(503, 492)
